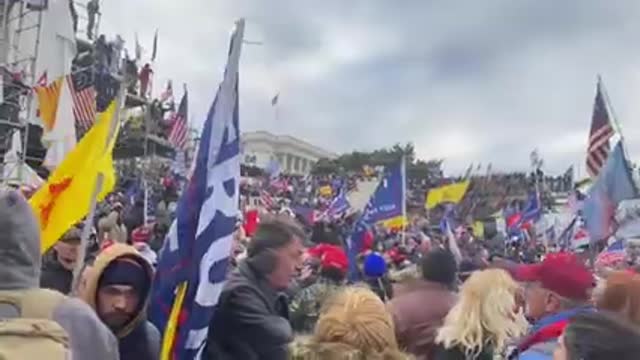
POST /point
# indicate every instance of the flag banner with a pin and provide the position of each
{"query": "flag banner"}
(179, 129)
(274, 100)
(385, 205)
(60, 139)
(154, 52)
(613, 185)
(325, 191)
(453, 193)
(66, 197)
(601, 132)
(338, 206)
(195, 256)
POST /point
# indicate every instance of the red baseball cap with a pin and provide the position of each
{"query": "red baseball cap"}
(562, 273)
(335, 258)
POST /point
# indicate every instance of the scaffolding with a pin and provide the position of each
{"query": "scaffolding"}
(20, 25)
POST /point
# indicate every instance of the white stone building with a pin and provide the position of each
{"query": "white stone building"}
(295, 156)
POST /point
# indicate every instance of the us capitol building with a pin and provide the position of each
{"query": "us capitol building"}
(294, 156)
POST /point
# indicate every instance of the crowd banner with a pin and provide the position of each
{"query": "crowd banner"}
(193, 263)
(67, 195)
(453, 193)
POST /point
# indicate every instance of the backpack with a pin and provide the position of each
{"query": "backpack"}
(30, 333)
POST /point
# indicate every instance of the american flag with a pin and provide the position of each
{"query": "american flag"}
(267, 200)
(178, 133)
(601, 132)
(81, 83)
(612, 255)
(195, 255)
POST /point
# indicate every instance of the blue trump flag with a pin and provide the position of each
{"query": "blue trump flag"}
(338, 206)
(614, 184)
(196, 251)
(386, 203)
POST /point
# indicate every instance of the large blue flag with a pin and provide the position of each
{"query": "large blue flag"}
(614, 184)
(386, 203)
(198, 244)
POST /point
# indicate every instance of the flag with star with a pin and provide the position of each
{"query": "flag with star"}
(66, 196)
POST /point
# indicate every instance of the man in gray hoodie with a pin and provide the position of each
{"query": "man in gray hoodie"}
(20, 262)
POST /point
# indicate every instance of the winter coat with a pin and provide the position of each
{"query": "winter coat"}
(20, 264)
(543, 337)
(417, 313)
(458, 353)
(55, 276)
(138, 339)
(251, 321)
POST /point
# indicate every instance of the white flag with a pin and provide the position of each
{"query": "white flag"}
(62, 137)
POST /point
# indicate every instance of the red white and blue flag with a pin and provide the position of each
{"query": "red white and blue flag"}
(179, 127)
(198, 245)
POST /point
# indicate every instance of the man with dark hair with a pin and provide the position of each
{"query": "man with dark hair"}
(419, 311)
(252, 317)
(117, 287)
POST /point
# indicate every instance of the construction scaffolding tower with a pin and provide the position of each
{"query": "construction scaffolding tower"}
(19, 20)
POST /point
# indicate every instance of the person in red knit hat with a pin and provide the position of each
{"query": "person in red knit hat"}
(305, 306)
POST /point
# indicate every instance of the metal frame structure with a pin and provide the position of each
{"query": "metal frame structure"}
(18, 20)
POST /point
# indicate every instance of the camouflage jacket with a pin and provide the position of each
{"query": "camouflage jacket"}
(304, 309)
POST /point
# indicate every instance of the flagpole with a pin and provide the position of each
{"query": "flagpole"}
(612, 112)
(403, 175)
(614, 118)
(88, 223)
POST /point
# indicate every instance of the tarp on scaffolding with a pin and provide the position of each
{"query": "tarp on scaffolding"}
(15, 171)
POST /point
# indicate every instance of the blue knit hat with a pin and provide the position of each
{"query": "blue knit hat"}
(374, 265)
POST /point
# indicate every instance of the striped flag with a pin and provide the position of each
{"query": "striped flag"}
(601, 132)
(267, 200)
(193, 262)
(178, 133)
(612, 255)
(338, 206)
(613, 185)
(83, 92)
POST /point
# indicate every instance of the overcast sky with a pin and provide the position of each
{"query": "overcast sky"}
(468, 81)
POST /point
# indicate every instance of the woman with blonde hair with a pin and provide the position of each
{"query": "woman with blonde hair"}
(353, 325)
(484, 319)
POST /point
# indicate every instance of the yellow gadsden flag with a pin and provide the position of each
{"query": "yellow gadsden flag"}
(66, 196)
(452, 193)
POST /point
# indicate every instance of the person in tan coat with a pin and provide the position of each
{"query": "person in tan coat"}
(420, 309)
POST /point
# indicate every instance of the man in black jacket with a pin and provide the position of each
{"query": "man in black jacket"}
(58, 263)
(251, 319)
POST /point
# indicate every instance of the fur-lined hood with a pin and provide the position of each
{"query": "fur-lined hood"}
(309, 350)
(90, 289)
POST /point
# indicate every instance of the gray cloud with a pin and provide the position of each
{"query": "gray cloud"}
(471, 81)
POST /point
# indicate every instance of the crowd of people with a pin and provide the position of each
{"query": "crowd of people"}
(293, 293)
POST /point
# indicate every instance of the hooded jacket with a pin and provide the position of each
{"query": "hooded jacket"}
(138, 339)
(20, 262)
